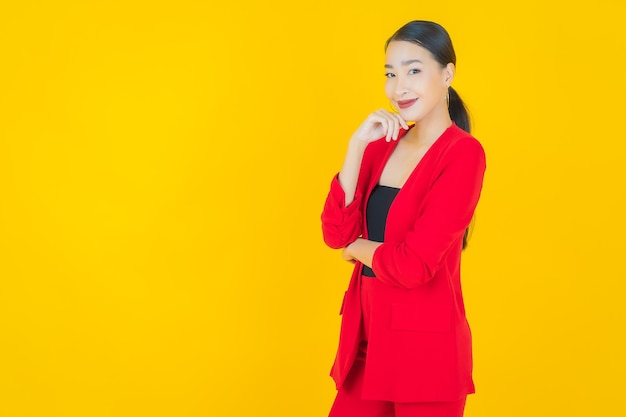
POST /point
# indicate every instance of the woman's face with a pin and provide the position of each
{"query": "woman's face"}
(416, 84)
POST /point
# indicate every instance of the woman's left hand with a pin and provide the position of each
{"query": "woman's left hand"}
(347, 256)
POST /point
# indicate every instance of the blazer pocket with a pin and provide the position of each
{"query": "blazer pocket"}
(436, 318)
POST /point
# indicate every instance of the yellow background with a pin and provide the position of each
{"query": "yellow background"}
(163, 166)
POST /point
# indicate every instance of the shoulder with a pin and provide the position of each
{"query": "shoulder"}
(461, 138)
(462, 143)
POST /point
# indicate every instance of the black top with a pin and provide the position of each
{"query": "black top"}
(376, 216)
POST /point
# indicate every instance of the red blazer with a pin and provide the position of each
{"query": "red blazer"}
(420, 342)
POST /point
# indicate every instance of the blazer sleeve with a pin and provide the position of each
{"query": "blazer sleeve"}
(341, 224)
(448, 209)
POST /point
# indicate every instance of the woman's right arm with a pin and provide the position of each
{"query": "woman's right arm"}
(379, 124)
(341, 218)
(349, 175)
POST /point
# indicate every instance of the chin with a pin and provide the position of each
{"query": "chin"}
(407, 114)
(409, 118)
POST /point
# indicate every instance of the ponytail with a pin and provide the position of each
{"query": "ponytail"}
(458, 112)
(460, 117)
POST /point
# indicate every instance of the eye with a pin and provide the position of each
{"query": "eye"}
(414, 71)
(389, 75)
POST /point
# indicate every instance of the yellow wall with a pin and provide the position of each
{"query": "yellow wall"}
(163, 166)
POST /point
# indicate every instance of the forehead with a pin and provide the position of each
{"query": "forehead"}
(401, 51)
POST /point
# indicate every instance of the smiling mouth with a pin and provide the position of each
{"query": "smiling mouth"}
(403, 104)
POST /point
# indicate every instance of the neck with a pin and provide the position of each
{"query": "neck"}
(425, 132)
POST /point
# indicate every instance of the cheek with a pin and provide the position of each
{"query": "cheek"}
(389, 88)
(428, 91)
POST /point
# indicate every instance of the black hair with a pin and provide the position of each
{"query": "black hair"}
(434, 38)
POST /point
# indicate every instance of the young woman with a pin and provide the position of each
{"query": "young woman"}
(400, 209)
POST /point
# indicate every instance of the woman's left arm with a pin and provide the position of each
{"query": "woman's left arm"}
(361, 250)
(449, 207)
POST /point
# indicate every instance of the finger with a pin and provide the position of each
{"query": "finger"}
(396, 129)
(394, 125)
(382, 116)
(384, 122)
(402, 123)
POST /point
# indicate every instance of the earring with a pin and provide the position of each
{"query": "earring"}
(448, 97)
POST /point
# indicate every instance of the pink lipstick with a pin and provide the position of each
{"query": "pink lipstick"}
(403, 104)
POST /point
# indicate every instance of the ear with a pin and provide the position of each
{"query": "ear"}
(448, 74)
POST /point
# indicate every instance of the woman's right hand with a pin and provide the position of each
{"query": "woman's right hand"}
(378, 124)
(381, 123)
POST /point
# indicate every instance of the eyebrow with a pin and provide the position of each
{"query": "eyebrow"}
(404, 63)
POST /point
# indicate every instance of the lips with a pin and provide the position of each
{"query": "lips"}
(403, 104)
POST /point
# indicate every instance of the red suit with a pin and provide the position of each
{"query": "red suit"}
(419, 347)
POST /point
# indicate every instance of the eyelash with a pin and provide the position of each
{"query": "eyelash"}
(411, 72)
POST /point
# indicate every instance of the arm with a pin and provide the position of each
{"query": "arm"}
(342, 218)
(449, 207)
(349, 174)
(361, 250)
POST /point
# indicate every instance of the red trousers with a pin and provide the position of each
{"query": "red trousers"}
(348, 402)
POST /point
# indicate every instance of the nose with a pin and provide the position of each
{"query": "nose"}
(400, 87)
